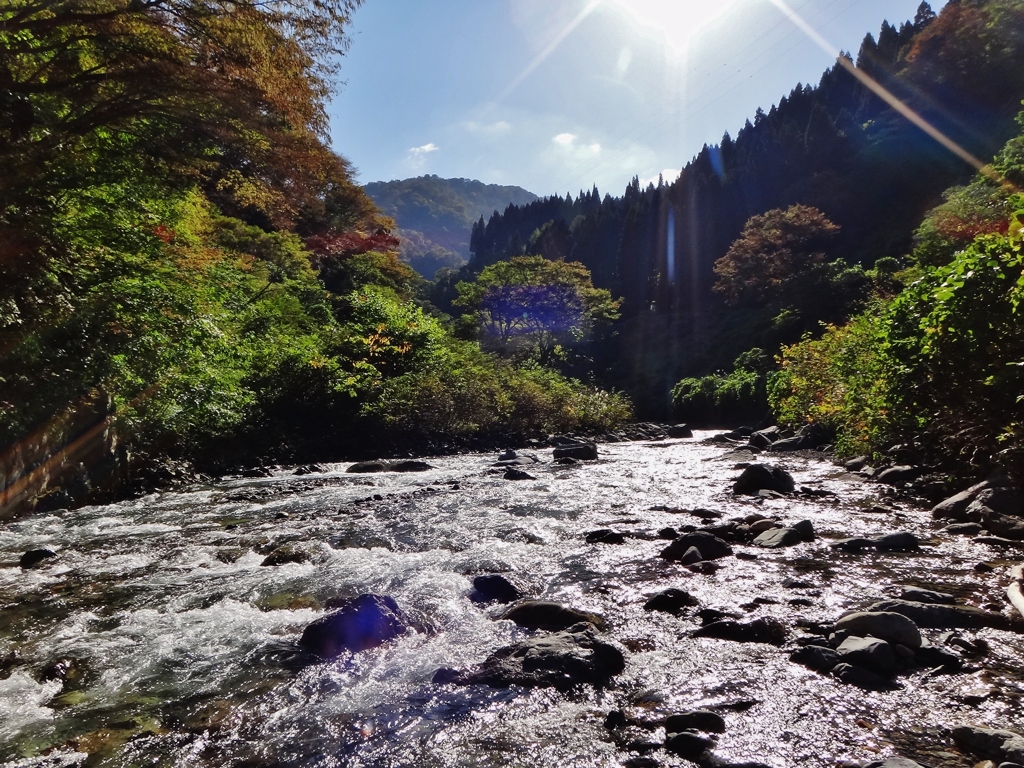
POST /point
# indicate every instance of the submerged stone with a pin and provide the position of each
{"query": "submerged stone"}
(562, 660)
(34, 557)
(365, 622)
(547, 615)
(496, 588)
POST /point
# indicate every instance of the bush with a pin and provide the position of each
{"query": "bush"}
(726, 399)
(840, 381)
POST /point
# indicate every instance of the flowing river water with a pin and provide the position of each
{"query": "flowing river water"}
(185, 644)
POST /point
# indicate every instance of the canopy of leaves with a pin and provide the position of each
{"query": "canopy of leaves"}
(777, 252)
(535, 305)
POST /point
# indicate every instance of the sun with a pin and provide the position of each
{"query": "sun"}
(676, 21)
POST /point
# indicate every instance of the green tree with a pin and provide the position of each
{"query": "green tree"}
(534, 307)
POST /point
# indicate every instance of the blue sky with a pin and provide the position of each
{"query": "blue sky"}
(559, 95)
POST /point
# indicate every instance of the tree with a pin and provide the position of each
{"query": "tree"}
(532, 306)
(228, 90)
(775, 253)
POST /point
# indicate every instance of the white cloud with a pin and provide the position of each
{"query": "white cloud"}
(595, 148)
(426, 148)
(564, 139)
(668, 176)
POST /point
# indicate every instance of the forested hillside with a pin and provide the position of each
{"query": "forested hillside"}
(188, 272)
(435, 216)
(837, 148)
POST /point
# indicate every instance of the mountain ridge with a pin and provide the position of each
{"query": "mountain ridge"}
(435, 215)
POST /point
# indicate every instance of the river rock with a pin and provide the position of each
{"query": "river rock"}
(892, 762)
(688, 744)
(816, 657)
(548, 616)
(997, 493)
(710, 546)
(898, 475)
(605, 536)
(760, 526)
(759, 630)
(692, 556)
(410, 466)
(891, 542)
(943, 616)
(897, 542)
(561, 660)
(868, 652)
(764, 438)
(808, 436)
(1003, 525)
(35, 557)
(990, 744)
(364, 623)
(364, 467)
(494, 588)
(285, 554)
(672, 600)
(759, 477)
(806, 530)
(583, 451)
(695, 720)
(779, 537)
(517, 461)
(677, 431)
(926, 596)
(964, 529)
(893, 627)
(856, 464)
(517, 474)
(860, 677)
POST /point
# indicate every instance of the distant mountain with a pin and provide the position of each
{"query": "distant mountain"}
(435, 215)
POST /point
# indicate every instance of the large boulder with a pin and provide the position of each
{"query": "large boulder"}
(679, 431)
(808, 436)
(364, 467)
(760, 477)
(363, 623)
(1005, 746)
(409, 466)
(710, 546)
(943, 616)
(548, 615)
(885, 625)
(997, 494)
(582, 452)
(562, 660)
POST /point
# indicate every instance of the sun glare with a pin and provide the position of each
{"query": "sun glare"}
(677, 21)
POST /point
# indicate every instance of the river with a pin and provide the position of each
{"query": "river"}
(185, 644)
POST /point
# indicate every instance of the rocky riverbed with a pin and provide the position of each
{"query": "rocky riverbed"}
(624, 610)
